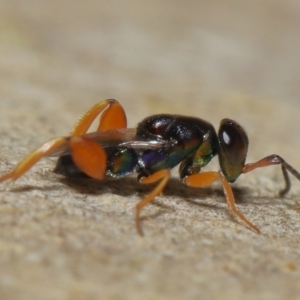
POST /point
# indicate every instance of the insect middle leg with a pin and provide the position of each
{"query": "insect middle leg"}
(205, 179)
(163, 176)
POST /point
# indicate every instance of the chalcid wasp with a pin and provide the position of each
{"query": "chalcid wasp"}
(159, 143)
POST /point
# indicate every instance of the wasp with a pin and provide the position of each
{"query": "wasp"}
(158, 144)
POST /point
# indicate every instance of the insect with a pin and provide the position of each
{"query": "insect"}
(159, 143)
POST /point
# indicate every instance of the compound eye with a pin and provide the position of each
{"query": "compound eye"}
(233, 149)
(234, 141)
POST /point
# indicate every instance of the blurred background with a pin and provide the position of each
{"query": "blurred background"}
(212, 59)
(113, 47)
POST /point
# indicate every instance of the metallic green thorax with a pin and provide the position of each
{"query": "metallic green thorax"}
(205, 152)
(168, 158)
(202, 156)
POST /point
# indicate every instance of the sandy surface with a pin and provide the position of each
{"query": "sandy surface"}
(68, 239)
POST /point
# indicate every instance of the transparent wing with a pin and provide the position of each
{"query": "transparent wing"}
(118, 138)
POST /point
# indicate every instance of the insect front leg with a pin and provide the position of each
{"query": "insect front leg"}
(205, 179)
(275, 159)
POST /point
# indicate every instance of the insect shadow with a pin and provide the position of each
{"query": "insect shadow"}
(200, 198)
(129, 186)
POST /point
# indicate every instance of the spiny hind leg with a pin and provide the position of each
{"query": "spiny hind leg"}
(205, 179)
(31, 159)
(87, 154)
(113, 117)
(163, 176)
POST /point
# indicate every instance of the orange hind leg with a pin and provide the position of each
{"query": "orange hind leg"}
(88, 155)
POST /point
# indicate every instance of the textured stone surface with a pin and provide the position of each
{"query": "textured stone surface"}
(62, 239)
